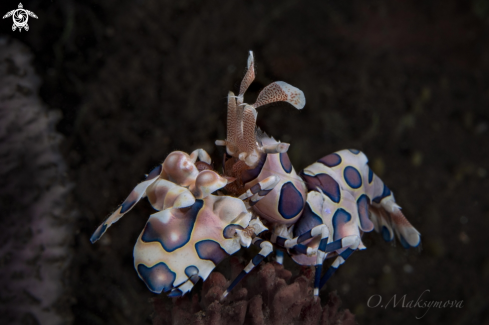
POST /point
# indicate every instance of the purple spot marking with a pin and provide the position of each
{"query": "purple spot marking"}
(191, 270)
(129, 201)
(363, 203)
(158, 277)
(386, 234)
(194, 279)
(331, 160)
(264, 192)
(154, 173)
(285, 162)
(340, 218)
(255, 188)
(126, 206)
(291, 201)
(210, 250)
(164, 233)
(98, 233)
(326, 183)
(175, 293)
(230, 230)
(385, 193)
(250, 174)
(352, 177)
(307, 221)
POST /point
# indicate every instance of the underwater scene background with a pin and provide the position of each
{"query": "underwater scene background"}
(96, 94)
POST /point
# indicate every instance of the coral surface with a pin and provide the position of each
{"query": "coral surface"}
(269, 295)
(36, 226)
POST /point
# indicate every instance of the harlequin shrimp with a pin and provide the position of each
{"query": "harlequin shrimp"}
(319, 213)
(323, 211)
(193, 230)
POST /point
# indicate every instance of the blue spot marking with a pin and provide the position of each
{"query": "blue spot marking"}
(334, 246)
(370, 175)
(347, 253)
(352, 177)
(305, 236)
(285, 162)
(331, 160)
(307, 221)
(322, 244)
(386, 234)
(327, 275)
(255, 188)
(317, 275)
(230, 230)
(175, 293)
(126, 205)
(340, 218)
(300, 249)
(258, 242)
(257, 259)
(98, 233)
(363, 203)
(385, 192)
(158, 278)
(240, 276)
(154, 173)
(250, 174)
(210, 250)
(326, 183)
(354, 151)
(191, 270)
(155, 230)
(264, 192)
(291, 201)
(194, 279)
(280, 241)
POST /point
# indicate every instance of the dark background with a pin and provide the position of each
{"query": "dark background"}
(406, 82)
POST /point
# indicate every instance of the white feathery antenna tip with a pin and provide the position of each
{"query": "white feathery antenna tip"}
(295, 96)
(250, 59)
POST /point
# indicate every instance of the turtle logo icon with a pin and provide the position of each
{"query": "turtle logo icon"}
(20, 17)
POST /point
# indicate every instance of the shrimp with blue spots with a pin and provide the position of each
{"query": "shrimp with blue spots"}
(377, 208)
(202, 217)
(193, 230)
(317, 214)
(355, 201)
